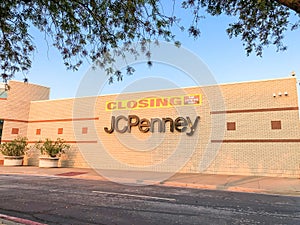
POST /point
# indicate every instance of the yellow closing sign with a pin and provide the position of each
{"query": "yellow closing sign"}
(155, 102)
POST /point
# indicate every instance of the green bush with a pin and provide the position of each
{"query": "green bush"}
(16, 147)
(52, 148)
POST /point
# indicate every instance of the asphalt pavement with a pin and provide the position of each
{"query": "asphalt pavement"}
(236, 183)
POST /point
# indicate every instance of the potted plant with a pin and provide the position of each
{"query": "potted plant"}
(14, 151)
(51, 151)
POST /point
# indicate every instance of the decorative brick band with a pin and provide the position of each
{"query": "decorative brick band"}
(255, 110)
(18, 121)
(63, 120)
(51, 121)
(68, 142)
(255, 141)
(81, 142)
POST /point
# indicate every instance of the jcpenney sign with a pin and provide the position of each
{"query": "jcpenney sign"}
(180, 124)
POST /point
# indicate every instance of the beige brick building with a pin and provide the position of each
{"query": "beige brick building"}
(248, 128)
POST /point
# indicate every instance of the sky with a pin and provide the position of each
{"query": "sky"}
(225, 58)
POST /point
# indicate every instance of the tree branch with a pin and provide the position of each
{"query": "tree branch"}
(292, 4)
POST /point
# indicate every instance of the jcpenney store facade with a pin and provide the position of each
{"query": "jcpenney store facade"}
(252, 129)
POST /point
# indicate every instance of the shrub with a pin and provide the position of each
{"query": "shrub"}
(52, 148)
(16, 147)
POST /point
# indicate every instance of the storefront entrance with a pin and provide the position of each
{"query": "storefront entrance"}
(1, 128)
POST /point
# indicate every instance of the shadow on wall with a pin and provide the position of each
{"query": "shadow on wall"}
(71, 158)
(32, 157)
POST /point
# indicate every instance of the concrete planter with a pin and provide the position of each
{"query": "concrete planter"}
(48, 162)
(13, 160)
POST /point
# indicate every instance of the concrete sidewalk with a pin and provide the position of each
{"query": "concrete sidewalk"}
(266, 185)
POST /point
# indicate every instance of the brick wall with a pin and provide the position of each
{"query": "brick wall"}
(14, 110)
(262, 137)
